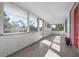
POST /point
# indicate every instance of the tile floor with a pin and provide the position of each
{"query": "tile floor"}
(52, 46)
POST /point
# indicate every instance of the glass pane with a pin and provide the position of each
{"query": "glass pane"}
(41, 25)
(13, 23)
(58, 27)
(33, 23)
(54, 27)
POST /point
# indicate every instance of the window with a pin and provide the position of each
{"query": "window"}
(53, 27)
(58, 27)
(41, 26)
(45, 24)
(13, 23)
(48, 25)
(33, 23)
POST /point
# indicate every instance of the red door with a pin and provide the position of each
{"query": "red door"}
(76, 27)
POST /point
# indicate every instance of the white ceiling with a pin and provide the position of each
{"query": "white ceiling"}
(52, 12)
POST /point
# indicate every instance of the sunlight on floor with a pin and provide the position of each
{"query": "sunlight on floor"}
(50, 53)
(57, 39)
(46, 42)
(56, 47)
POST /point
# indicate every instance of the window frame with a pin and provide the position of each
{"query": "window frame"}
(35, 19)
(15, 32)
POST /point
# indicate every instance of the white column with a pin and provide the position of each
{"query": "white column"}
(38, 24)
(1, 18)
(28, 28)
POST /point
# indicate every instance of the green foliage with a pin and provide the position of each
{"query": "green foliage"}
(60, 27)
(6, 21)
(7, 24)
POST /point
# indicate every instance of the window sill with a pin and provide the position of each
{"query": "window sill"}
(17, 33)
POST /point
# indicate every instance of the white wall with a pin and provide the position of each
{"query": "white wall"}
(47, 31)
(12, 43)
(72, 27)
(68, 25)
